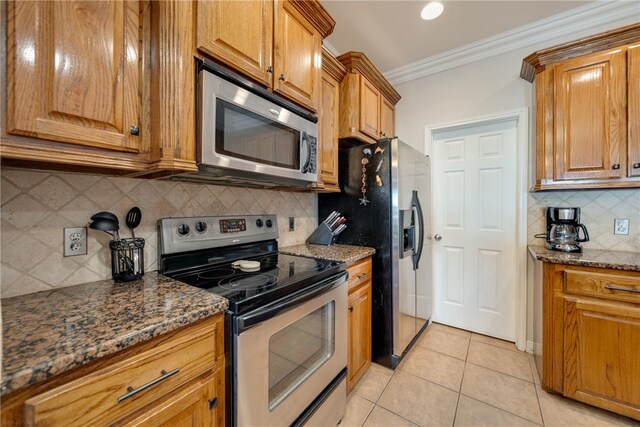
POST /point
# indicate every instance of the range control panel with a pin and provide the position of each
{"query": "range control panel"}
(194, 233)
(232, 225)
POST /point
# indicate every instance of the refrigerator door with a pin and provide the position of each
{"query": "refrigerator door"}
(403, 179)
(424, 297)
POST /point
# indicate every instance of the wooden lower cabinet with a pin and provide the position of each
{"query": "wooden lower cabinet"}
(359, 303)
(592, 336)
(173, 379)
(193, 406)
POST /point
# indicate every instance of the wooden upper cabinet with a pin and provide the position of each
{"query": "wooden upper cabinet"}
(587, 98)
(332, 74)
(387, 118)
(239, 33)
(367, 100)
(633, 109)
(297, 60)
(275, 42)
(590, 117)
(74, 72)
(369, 108)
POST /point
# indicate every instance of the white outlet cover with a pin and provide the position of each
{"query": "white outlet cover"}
(621, 226)
(75, 241)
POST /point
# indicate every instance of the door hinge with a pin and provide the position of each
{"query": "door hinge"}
(213, 403)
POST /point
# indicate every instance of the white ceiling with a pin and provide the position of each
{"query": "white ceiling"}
(392, 34)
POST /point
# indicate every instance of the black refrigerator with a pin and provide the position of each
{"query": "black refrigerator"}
(385, 194)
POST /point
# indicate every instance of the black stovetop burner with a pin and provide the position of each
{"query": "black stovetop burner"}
(278, 276)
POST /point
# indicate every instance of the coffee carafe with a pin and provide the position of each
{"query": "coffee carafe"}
(563, 230)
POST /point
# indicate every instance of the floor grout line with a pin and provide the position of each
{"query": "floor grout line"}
(501, 409)
(503, 373)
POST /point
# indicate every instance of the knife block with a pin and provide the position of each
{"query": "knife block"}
(321, 236)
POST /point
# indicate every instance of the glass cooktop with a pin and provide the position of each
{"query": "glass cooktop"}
(278, 275)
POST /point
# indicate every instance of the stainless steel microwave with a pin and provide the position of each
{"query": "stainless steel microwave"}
(247, 134)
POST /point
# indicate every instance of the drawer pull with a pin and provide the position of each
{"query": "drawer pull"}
(617, 288)
(362, 276)
(133, 391)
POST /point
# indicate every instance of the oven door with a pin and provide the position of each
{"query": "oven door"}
(240, 130)
(288, 353)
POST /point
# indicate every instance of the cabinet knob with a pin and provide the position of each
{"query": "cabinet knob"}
(350, 308)
(636, 165)
(615, 166)
(282, 77)
(269, 69)
(134, 130)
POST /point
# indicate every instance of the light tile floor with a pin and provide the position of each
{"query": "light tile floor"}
(453, 377)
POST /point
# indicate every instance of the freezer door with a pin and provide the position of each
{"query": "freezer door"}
(424, 294)
(409, 168)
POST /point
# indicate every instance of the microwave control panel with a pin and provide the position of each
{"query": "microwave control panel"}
(232, 225)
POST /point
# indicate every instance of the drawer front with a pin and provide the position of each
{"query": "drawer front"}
(359, 272)
(112, 392)
(609, 285)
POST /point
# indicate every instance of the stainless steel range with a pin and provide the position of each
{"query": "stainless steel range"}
(285, 329)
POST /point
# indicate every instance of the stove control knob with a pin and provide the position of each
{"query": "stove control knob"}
(183, 229)
(259, 223)
(269, 223)
(201, 226)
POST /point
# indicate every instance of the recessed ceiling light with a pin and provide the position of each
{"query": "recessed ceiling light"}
(432, 10)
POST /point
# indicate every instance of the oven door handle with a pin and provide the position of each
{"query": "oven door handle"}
(269, 311)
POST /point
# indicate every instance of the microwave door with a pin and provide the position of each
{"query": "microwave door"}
(244, 134)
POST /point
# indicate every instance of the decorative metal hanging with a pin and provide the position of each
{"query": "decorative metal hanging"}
(363, 189)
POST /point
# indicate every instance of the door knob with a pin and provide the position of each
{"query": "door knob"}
(282, 77)
(437, 237)
(636, 165)
(269, 69)
(615, 166)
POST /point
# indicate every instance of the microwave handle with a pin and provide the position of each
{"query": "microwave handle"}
(305, 139)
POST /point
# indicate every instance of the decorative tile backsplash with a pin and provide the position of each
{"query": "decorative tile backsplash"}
(598, 210)
(36, 206)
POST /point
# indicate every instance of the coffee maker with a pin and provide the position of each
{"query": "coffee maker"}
(563, 230)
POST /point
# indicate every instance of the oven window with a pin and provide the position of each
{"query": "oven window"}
(298, 350)
(249, 136)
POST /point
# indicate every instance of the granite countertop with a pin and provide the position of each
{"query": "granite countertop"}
(50, 332)
(340, 253)
(619, 260)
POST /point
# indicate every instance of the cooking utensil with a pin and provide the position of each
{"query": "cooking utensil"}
(105, 215)
(134, 216)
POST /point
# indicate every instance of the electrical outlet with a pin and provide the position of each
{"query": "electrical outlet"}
(292, 224)
(75, 241)
(621, 226)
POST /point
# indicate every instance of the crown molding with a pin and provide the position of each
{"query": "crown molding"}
(567, 24)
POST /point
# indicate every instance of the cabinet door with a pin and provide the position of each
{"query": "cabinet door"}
(328, 129)
(633, 105)
(369, 108)
(387, 118)
(590, 137)
(297, 56)
(200, 404)
(601, 358)
(359, 333)
(73, 72)
(239, 33)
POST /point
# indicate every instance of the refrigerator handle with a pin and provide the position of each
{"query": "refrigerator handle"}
(415, 203)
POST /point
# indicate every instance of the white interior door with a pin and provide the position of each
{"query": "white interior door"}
(474, 212)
